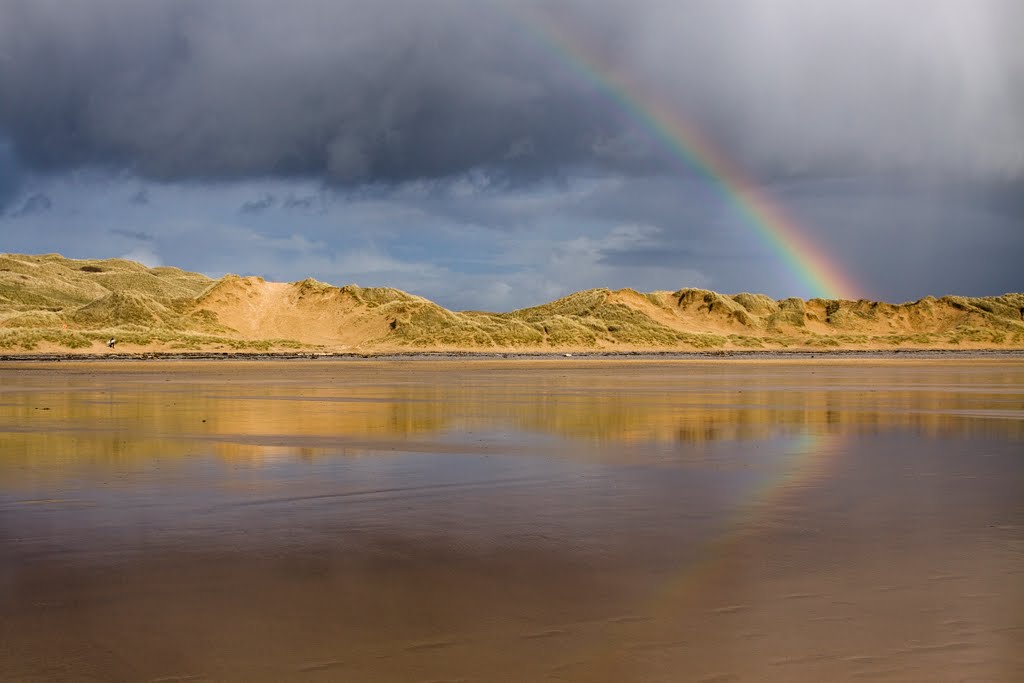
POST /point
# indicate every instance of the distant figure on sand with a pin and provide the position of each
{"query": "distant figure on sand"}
(111, 342)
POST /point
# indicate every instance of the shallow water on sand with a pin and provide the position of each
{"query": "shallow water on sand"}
(513, 521)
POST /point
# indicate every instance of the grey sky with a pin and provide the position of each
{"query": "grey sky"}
(447, 148)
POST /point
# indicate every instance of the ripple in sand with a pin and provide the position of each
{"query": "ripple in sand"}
(431, 645)
(805, 659)
(320, 666)
(550, 633)
(729, 609)
(863, 659)
(935, 647)
(629, 619)
(879, 673)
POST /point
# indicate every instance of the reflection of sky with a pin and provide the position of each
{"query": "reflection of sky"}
(494, 496)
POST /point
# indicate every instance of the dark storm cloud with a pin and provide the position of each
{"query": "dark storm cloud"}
(349, 91)
(299, 203)
(10, 175)
(360, 91)
(648, 255)
(33, 204)
(132, 234)
(260, 205)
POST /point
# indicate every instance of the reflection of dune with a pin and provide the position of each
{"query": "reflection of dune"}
(139, 425)
(265, 412)
(759, 415)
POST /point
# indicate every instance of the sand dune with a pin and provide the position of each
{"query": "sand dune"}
(50, 303)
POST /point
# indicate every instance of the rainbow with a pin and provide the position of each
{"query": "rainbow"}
(806, 459)
(815, 269)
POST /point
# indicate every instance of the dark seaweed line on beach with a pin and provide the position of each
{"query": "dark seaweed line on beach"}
(513, 355)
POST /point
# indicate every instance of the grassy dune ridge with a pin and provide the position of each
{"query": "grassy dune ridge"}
(51, 303)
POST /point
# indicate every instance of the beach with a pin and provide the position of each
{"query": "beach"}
(758, 518)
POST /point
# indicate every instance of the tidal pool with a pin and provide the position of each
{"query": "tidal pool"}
(575, 520)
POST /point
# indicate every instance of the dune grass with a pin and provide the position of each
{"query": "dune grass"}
(31, 339)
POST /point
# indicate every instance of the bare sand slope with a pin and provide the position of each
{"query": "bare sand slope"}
(50, 303)
(307, 311)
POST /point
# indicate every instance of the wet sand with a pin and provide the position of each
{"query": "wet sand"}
(578, 520)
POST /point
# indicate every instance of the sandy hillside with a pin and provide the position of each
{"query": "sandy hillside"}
(50, 303)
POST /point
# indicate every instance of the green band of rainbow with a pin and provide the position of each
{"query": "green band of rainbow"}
(819, 273)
